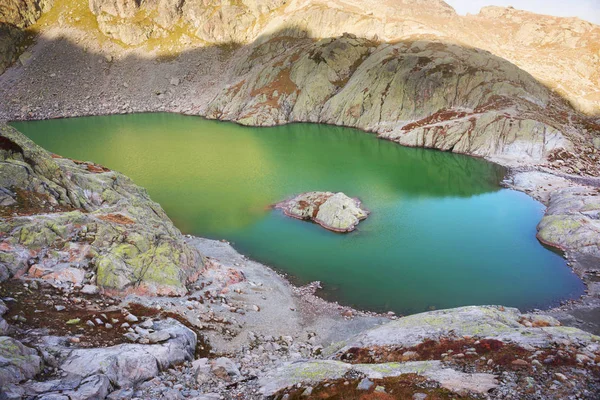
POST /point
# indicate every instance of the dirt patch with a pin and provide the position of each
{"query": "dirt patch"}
(32, 203)
(402, 387)
(37, 309)
(468, 352)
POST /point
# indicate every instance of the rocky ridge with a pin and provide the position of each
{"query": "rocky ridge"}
(474, 103)
(505, 32)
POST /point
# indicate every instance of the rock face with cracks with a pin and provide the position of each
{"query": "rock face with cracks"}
(333, 211)
(73, 223)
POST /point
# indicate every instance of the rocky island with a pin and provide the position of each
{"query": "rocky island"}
(333, 211)
(101, 296)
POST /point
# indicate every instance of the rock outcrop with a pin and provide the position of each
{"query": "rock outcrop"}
(426, 94)
(127, 364)
(434, 346)
(311, 373)
(572, 220)
(91, 373)
(16, 15)
(17, 362)
(334, 211)
(72, 223)
(476, 322)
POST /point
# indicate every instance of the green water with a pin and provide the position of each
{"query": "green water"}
(441, 233)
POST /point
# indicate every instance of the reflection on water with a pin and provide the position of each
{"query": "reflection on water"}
(441, 233)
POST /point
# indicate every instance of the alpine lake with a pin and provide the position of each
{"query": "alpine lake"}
(442, 231)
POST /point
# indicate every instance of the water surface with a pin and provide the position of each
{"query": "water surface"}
(442, 232)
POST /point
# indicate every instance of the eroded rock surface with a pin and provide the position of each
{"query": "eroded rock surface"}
(416, 93)
(504, 31)
(128, 364)
(334, 211)
(73, 223)
(572, 221)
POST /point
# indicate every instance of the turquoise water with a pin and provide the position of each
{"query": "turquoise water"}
(442, 232)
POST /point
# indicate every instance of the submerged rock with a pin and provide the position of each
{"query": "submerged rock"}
(334, 211)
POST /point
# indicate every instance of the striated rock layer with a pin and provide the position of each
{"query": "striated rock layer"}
(73, 223)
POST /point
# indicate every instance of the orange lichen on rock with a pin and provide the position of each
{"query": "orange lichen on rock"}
(117, 219)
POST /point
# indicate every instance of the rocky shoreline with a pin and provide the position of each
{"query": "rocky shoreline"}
(257, 329)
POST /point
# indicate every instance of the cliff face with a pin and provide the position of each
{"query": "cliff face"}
(15, 15)
(212, 21)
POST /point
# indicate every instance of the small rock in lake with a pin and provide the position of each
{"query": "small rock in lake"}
(334, 211)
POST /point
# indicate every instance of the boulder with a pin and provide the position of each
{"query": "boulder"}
(225, 368)
(572, 220)
(127, 364)
(334, 211)
(17, 362)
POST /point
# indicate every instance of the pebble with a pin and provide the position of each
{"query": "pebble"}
(131, 318)
(132, 337)
(59, 308)
(561, 377)
(90, 289)
(160, 336)
(147, 324)
(365, 384)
